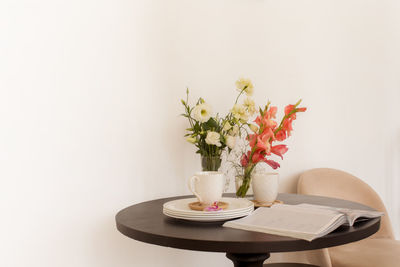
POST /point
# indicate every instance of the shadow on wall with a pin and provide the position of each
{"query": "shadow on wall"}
(289, 183)
(110, 248)
(167, 167)
(392, 181)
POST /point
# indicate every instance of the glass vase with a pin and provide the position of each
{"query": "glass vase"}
(210, 163)
(243, 185)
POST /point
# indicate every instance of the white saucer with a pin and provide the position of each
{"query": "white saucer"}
(207, 219)
(237, 207)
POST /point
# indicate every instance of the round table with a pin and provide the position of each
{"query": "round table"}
(146, 222)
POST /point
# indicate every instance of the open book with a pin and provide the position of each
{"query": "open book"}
(304, 221)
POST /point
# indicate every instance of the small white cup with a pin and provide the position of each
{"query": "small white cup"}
(265, 187)
(207, 186)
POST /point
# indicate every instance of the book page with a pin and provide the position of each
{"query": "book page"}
(288, 220)
(351, 214)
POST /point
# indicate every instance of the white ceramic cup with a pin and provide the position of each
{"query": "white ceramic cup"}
(207, 186)
(265, 187)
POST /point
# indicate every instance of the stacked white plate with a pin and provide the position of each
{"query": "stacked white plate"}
(237, 207)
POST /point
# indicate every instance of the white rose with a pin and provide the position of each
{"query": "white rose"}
(230, 141)
(202, 112)
(213, 138)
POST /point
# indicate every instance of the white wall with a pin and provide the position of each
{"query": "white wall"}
(89, 97)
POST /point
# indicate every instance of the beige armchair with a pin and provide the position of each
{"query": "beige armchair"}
(379, 250)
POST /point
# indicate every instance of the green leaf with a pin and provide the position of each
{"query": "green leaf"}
(211, 124)
(222, 138)
(197, 127)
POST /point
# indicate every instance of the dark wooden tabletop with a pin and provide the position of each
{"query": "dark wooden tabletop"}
(146, 222)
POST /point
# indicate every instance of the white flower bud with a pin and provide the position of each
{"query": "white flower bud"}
(227, 126)
(191, 139)
(253, 128)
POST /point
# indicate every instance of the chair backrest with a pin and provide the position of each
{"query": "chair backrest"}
(340, 184)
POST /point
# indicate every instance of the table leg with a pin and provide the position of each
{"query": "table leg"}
(247, 260)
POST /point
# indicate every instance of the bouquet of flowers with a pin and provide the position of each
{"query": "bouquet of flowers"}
(214, 134)
(261, 141)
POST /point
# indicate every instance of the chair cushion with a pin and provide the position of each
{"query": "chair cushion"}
(370, 252)
(288, 265)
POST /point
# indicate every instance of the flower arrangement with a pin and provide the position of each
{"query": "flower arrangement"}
(261, 140)
(213, 134)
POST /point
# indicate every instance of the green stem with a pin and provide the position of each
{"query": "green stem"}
(241, 92)
(284, 118)
(241, 192)
(229, 116)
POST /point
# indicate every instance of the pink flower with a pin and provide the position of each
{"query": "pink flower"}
(280, 135)
(268, 134)
(272, 112)
(252, 138)
(270, 124)
(263, 144)
(288, 109)
(257, 157)
(266, 120)
(272, 163)
(287, 126)
(279, 150)
(213, 207)
(245, 160)
(258, 120)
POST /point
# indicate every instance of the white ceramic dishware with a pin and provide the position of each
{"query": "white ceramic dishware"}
(265, 187)
(179, 209)
(207, 186)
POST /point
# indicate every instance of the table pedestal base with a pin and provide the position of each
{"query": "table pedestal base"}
(247, 260)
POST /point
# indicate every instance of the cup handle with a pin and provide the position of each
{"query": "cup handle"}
(191, 187)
